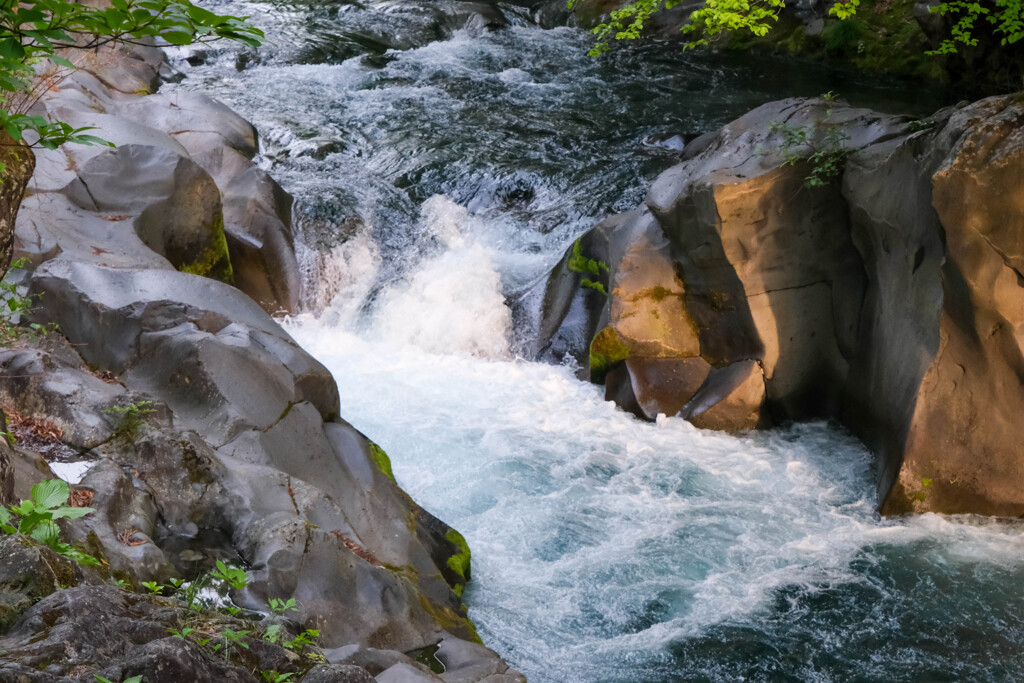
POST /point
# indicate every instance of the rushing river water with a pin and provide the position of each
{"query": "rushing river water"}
(436, 181)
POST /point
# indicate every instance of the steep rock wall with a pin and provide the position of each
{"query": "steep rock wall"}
(886, 295)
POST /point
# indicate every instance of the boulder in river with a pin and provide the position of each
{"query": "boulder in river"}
(761, 283)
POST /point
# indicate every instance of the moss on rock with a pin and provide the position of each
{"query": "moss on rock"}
(459, 563)
(215, 261)
(606, 349)
(383, 462)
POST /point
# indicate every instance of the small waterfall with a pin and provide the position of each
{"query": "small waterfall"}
(439, 173)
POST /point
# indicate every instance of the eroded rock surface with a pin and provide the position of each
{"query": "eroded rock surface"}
(240, 454)
(887, 294)
(155, 201)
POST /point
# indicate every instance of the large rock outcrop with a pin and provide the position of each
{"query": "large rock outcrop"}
(235, 450)
(877, 284)
(179, 190)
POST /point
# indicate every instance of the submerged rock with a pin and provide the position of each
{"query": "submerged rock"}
(877, 284)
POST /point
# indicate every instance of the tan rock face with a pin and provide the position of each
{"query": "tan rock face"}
(890, 298)
(965, 451)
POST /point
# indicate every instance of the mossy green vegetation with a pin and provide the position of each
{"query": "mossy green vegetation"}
(578, 263)
(606, 349)
(459, 563)
(215, 261)
(382, 460)
(452, 621)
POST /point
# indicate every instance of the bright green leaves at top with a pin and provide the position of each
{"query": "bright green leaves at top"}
(232, 576)
(32, 31)
(716, 17)
(706, 23)
(719, 16)
(844, 10)
(1007, 20)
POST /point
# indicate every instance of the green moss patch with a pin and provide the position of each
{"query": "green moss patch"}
(606, 350)
(215, 261)
(459, 563)
(382, 460)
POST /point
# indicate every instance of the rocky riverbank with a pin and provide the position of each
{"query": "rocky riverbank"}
(811, 259)
(159, 260)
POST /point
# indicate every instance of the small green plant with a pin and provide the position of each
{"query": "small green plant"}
(918, 125)
(130, 417)
(133, 679)
(232, 637)
(182, 634)
(826, 157)
(15, 307)
(235, 636)
(578, 263)
(37, 518)
(190, 592)
(307, 637)
(233, 611)
(204, 642)
(153, 587)
(12, 440)
(279, 606)
(272, 634)
(275, 677)
(232, 576)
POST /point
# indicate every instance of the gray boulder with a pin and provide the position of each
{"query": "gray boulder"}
(175, 203)
(28, 573)
(298, 492)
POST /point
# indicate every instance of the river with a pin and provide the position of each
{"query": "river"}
(435, 182)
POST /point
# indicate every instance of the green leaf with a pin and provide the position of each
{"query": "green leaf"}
(46, 533)
(51, 493)
(178, 37)
(66, 512)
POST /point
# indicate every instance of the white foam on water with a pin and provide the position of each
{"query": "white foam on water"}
(600, 540)
(453, 302)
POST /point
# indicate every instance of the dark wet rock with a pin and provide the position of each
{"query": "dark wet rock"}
(245, 458)
(337, 673)
(102, 630)
(257, 221)
(176, 204)
(406, 673)
(151, 185)
(120, 532)
(298, 496)
(28, 573)
(466, 662)
(373, 660)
